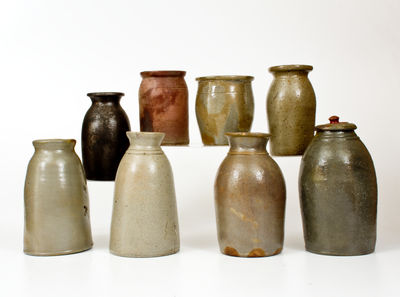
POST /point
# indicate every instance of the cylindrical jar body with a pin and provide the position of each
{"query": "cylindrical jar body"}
(338, 195)
(56, 201)
(250, 199)
(104, 139)
(144, 220)
(223, 104)
(163, 104)
(291, 106)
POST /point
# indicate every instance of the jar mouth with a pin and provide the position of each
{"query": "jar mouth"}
(54, 143)
(226, 77)
(248, 134)
(293, 67)
(105, 94)
(162, 73)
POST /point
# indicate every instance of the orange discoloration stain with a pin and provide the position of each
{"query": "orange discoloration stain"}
(277, 251)
(231, 251)
(257, 253)
(243, 217)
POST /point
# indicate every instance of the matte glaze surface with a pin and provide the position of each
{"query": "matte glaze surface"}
(338, 193)
(163, 104)
(223, 104)
(56, 201)
(144, 220)
(104, 140)
(291, 106)
(250, 198)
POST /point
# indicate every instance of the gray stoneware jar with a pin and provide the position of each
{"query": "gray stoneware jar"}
(144, 219)
(291, 106)
(224, 104)
(250, 198)
(56, 201)
(338, 192)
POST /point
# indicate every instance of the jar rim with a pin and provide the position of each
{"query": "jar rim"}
(248, 134)
(291, 67)
(162, 73)
(226, 77)
(99, 94)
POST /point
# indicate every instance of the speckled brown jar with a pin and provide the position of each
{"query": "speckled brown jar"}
(223, 104)
(163, 104)
(338, 192)
(104, 139)
(250, 199)
(291, 106)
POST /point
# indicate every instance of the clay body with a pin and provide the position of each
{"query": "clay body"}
(104, 140)
(56, 201)
(144, 220)
(223, 104)
(163, 104)
(250, 198)
(291, 106)
(338, 193)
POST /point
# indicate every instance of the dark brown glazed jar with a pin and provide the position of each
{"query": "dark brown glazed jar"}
(338, 192)
(163, 104)
(104, 139)
(250, 197)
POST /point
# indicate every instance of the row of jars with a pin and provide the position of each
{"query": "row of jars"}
(337, 189)
(223, 104)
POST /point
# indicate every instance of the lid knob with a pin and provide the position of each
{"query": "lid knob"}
(334, 119)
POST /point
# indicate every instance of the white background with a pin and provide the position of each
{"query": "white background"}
(54, 52)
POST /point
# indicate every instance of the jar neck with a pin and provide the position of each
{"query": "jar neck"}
(247, 143)
(54, 144)
(291, 73)
(105, 98)
(145, 141)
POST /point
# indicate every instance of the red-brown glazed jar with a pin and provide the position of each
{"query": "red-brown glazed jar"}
(163, 104)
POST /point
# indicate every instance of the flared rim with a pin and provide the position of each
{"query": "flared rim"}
(226, 77)
(144, 133)
(248, 134)
(55, 140)
(292, 67)
(162, 73)
(98, 94)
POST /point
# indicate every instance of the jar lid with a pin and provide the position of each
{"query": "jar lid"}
(335, 125)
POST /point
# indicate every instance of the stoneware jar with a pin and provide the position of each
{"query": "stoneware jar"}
(144, 219)
(163, 104)
(250, 199)
(291, 108)
(56, 201)
(223, 104)
(338, 192)
(104, 136)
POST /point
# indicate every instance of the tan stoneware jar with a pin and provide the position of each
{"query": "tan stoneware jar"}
(144, 219)
(224, 104)
(291, 106)
(250, 198)
(163, 104)
(56, 201)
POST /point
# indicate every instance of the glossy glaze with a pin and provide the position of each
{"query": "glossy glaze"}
(223, 104)
(144, 220)
(163, 104)
(104, 140)
(291, 106)
(250, 199)
(56, 201)
(338, 193)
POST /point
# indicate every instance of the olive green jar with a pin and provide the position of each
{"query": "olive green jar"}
(338, 192)
(291, 106)
(250, 197)
(224, 104)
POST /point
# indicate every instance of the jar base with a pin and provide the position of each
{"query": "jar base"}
(131, 255)
(334, 253)
(255, 253)
(59, 253)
